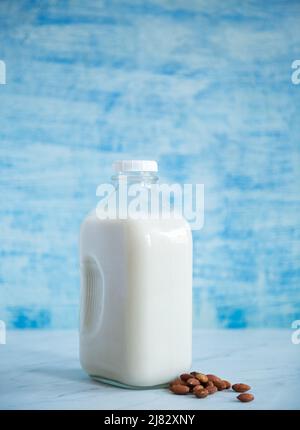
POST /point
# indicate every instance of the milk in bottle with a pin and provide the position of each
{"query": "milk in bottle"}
(136, 292)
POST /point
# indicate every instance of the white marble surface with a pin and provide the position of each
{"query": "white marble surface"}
(40, 370)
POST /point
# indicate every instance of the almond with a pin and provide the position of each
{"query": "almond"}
(211, 389)
(245, 397)
(201, 394)
(179, 389)
(201, 377)
(241, 388)
(192, 382)
(185, 376)
(221, 385)
(197, 388)
(228, 385)
(213, 378)
(177, 381)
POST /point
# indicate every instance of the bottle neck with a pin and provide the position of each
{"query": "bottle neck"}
(145, 179)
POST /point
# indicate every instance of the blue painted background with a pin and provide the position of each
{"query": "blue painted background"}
(203, 87)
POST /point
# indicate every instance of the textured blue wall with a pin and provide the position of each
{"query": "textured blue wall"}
(203, 87)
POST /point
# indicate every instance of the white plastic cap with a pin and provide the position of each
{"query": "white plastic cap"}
(135, 166)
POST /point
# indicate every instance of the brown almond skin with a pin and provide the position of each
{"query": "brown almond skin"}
(220, 385)
(192, 382)
(201, 394)
(197, 388)
(211, 389)
(213, 378)
(185, 376)
(179, 389)
(245, 397)
(228, 384)
(177, 381)
(241, 388)
(209, 384)
(203, 379)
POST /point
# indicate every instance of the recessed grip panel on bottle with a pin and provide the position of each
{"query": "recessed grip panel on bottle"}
(92, 297)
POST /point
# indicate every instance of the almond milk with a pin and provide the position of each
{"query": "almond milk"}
(136, 294)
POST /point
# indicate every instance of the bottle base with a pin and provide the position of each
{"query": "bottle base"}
(126, 386)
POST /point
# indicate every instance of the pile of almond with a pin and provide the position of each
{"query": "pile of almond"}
(202, 385)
